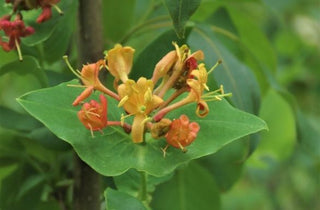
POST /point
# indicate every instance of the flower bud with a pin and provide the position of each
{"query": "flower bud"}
(182, 133)
(93, 115)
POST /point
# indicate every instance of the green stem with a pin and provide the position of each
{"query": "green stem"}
(143, 193)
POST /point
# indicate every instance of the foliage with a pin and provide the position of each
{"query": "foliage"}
(259, 147)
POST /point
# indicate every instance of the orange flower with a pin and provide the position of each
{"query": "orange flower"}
(120, 61)
(93, 115)
(89, 76)
(182, 133)
(137, 99)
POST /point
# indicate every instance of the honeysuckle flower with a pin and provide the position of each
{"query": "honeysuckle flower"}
(14, 30)
(93, 115)
(179, 64)
(197, 85)
(119, 62)
(89, 76)
(46, 6)
(137, 99)
(182, 133)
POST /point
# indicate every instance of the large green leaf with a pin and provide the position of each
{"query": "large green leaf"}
(180, 11)
(113, 152)
(191, 188)
(120, 200)
(278, 143)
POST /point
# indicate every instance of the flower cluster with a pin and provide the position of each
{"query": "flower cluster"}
(15, 29)
(147, 100)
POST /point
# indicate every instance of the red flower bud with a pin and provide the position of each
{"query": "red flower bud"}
(182, 132)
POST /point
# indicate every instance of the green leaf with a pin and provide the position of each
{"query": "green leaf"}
(236, 77)
(309, 135)
(180, 12)
(59, 41)
(130, 182)
(16, 121)
(153, 53)
(11, 186)
(278, 143)
(44, 30)
(191, 188)
(252, 35)
(226, 165)
(113, 152)
(17, 78)
(117, 19)
(120, 200)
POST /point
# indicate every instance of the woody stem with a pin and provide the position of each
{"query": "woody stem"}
(87, 189)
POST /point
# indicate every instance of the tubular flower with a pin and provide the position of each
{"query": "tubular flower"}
(182, 132)
(14, 30)
(197, 85)
(175, 68)
(93, 115)
(119, 61)
(89, 76)
(137, 99)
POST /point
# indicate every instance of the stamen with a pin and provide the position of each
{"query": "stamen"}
(123, 101)
(148, 96)
(91, 131)
(123, 117)
(92, 113)
(75, 72)
(177, 49)
(221, 88)
(206, 87)
(148, 119)
(216, 97)
(164, 150)
(182, 147)
(215, 66)
(71, 85)
(135, 89)
(57, 8)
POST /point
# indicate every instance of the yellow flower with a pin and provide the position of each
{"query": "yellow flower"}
(197, 84)
(138, 100)
(175, 67)
(119, 60)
